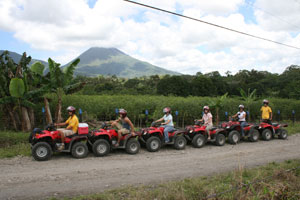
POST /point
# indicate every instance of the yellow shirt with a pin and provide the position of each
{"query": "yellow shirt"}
(265, 112)
(73, 123)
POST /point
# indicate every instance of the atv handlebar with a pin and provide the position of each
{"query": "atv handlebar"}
(50, 127)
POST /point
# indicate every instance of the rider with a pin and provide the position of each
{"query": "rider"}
(168, 123)
(266, 112)
(242, 118)
(126, 127)
(71, 129)
(207, 118)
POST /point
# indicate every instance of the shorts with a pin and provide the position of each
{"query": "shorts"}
(124, 131)
(66, 132)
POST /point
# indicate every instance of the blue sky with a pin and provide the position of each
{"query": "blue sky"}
(163, 40)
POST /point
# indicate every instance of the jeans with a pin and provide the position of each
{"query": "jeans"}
(243, 124)
(166, 132)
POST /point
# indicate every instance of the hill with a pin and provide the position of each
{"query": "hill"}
(111, 61)
(16, 57)
(108, 61)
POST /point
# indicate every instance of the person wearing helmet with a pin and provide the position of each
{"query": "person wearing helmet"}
(241, 115)
(207, 119)
(72, 126)
(168, 123)
(266, 112)
(125, 127)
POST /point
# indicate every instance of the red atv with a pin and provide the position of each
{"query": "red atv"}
(269, 131)
(103, 140)
(153, 137)
(45, 142)
(198, 135)
(233, 128)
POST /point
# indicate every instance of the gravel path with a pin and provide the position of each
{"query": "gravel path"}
(25, 178)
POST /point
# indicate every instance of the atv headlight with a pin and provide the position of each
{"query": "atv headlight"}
(145, 132)
(191, 131)
(227, 126)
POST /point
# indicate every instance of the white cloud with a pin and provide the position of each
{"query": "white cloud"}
(70, 26)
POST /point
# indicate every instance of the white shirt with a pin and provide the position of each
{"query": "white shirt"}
(167, 118)
(241, 116)
(206, 118)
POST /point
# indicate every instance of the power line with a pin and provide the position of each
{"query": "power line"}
(269, 13)
(212, 24)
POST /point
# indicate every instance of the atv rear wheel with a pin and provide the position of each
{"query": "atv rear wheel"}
(101, 147)
(220, 140)
(283, 134)
(266, 134)
(153, 144)
(133, 146)
(234, 137)
(180, 142)
(41, 151)
(198, 141)
(79, 150)
(254, 135)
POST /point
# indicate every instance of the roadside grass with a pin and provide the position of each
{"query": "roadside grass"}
(14, 144)
(292, 128)
(272, 181)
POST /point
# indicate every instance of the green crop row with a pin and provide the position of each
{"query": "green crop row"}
(102, 107)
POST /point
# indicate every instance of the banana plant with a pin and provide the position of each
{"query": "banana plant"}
(218, 103)
(61, 83)
(249, 98)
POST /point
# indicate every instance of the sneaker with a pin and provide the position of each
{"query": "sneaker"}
(61, 147)
(116, 145)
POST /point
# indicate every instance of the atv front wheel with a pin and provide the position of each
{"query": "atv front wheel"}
(153, 144)
(41, 151)
(266, 134)
(79, 150)
(234, 137)
(133, 146)
(220, 140)
(180, 142)
(101, 147)
(254, 135)
(283, 134)
(198, 141)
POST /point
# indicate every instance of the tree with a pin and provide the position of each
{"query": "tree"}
(218, 103)
(249, 98)
(19, 91)
(60, 83)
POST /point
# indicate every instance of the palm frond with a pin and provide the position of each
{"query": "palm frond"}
(69, 89)
(69, 71)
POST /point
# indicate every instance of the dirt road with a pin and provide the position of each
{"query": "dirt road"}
(24, 178)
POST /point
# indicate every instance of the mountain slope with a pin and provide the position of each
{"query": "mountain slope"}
(111, 61)
(107, 61)
(16, 58)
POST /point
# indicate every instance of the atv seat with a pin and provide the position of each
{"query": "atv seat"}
(275, 124)
(213, 128)
(172, 131)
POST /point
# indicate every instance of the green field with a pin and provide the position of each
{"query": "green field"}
(102, 107)
(272, 181)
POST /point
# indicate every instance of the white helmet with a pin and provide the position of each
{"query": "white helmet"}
(265, 101)
(205, 108)
(241, 106)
